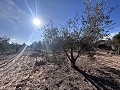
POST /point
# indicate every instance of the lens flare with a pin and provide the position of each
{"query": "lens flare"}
(36, 22)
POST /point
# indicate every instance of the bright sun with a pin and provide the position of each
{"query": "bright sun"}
(36, 22)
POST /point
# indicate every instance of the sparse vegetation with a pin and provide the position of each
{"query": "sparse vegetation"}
(7, 48)
(4, 42)
(116, 42)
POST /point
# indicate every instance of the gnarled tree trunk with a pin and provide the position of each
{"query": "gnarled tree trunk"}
(72, 58)
(73, 65)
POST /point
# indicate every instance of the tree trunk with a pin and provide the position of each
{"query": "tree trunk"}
(71, 58)
(73, 64)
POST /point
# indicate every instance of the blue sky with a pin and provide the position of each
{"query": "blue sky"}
(16, 18)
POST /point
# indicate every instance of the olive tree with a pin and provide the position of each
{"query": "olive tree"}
(79, 35)
(4, 44)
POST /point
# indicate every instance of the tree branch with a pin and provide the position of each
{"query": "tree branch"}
(72, 57)
(78, 54)
(67, 55)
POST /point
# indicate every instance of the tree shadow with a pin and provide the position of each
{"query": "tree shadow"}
(110, 70)
(100, 82)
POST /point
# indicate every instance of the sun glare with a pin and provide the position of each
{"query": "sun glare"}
(36, 22)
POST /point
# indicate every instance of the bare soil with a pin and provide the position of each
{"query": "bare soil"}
(20, 73)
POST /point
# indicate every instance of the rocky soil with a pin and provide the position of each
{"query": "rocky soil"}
(20, 72)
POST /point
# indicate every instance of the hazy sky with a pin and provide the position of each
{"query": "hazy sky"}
(16, 17)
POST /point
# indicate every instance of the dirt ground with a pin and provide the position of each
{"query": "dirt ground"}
(19, 73)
